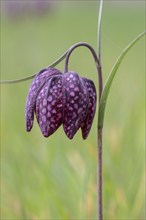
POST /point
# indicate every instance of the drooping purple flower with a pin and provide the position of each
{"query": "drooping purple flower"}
(57, 99)
(36, 87)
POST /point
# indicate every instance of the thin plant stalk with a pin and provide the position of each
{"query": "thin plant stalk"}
(99, 30)
(100, 215)
(62, 57)
(97, 62)
(99, 129)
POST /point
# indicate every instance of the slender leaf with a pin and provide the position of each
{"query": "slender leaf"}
(110, 78)
(62, 57)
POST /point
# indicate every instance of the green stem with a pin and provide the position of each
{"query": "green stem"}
(62, 57)
(99, 30)
(100, 173)
(99, 130)
(97, 62)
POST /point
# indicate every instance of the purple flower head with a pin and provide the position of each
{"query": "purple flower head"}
(57, 99)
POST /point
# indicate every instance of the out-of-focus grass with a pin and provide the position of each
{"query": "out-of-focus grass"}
(55, 177)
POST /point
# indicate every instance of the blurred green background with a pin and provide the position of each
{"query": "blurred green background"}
(56, 178)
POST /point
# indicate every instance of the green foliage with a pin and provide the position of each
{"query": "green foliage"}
(109, 81)
(55, 178)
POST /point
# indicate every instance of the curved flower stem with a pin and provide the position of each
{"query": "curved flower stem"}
(100, 87)
(62, 57)
(97, 62)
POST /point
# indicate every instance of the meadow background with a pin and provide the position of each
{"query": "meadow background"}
(56, 178)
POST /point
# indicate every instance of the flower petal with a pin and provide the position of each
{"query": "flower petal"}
(86, 126)
(49, 106)
(34, 90)
(74, 102)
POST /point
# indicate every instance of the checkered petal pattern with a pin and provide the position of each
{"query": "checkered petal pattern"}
(61, 99)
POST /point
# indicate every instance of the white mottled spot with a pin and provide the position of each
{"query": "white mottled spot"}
(72, 94)
(59, 105)
(33, 87)
(29, 115)
(79, 110)
(52, 126)
(49, 107)
(76, 89)
(44, 118)
(53, 103)
(50, 98)
(44, 102)
(76, 97)
(75, 106)
(49, 115)
(40, 122)
(84, 106)
(44, 110)
(54, 111)
(70, 108)
(74, 115)
(71, 86)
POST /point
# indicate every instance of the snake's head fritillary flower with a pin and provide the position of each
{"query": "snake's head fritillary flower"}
(42, 99)
(57, 99)
(79, 104)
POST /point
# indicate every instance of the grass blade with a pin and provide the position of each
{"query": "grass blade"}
(110, 78)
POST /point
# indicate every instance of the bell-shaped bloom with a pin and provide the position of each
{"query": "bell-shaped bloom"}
(57, 99)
